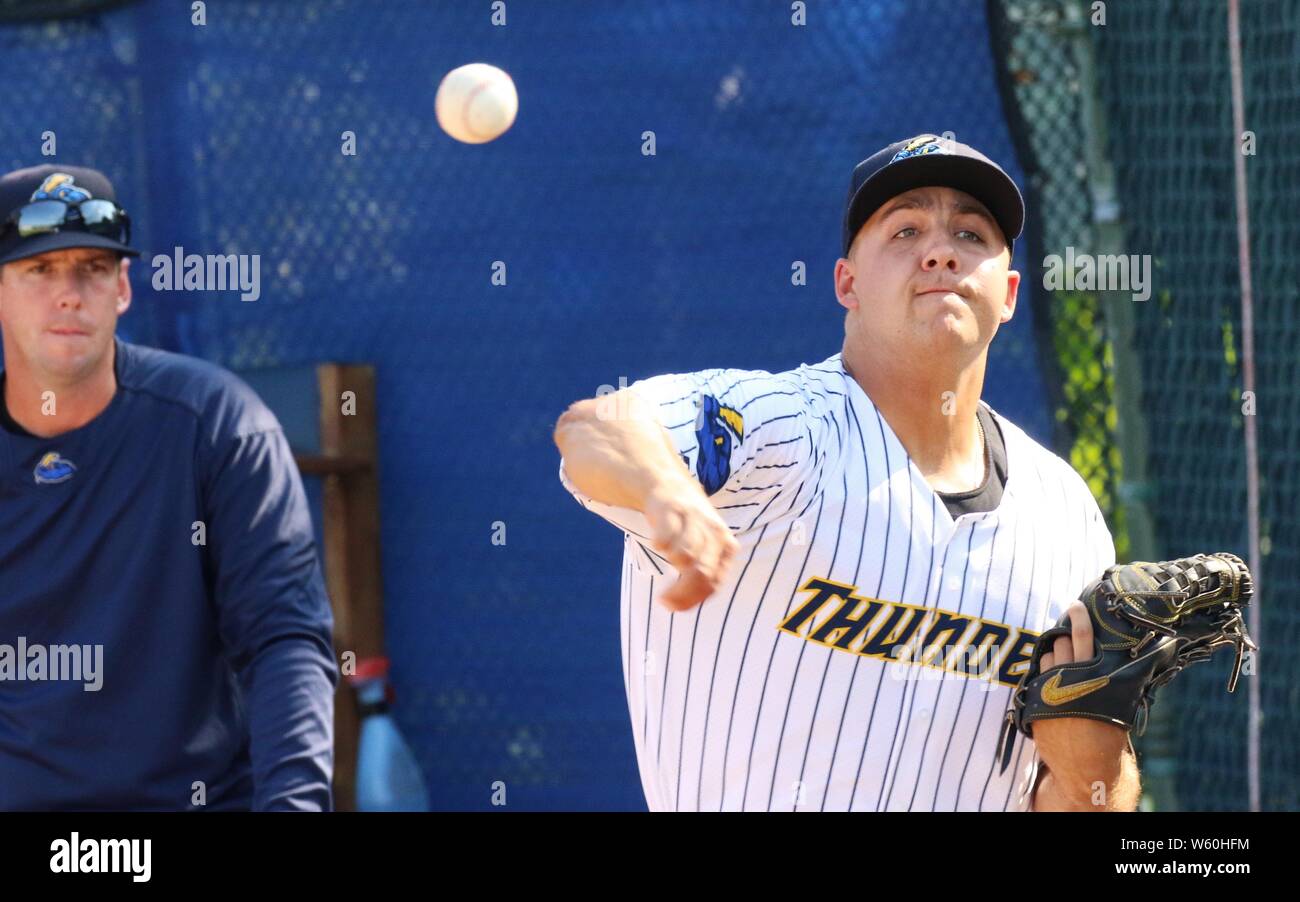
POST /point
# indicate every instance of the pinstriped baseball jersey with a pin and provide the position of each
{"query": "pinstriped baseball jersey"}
(862, 654)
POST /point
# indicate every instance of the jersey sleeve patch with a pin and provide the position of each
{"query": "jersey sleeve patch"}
(717, 428)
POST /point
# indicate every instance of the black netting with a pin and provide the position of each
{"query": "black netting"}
(1166, 81)
(1162, 79)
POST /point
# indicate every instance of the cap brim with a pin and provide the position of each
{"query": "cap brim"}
(983, 181)
(57, 241)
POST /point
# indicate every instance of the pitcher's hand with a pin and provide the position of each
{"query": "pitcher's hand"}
(689, 531)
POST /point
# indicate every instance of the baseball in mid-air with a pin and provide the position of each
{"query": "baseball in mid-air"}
(476, 103)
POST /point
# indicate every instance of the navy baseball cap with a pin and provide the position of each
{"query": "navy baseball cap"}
(931, 160)
(72, 184)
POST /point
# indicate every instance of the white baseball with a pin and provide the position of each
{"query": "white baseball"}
(476, 103)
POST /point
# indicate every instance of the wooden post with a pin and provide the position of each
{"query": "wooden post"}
(347, 464)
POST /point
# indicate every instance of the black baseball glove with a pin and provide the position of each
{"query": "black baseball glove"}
(1149, 622)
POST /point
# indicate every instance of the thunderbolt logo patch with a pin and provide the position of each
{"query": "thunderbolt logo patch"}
(59, 186)
(919, 147)
(53, 468)
(716, 427)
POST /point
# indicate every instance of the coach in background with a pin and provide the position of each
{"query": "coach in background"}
(165, 636)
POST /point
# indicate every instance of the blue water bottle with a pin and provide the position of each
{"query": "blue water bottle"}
(388, 779)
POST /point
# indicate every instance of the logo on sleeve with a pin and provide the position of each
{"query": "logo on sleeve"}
(53, 468)
(716, 426)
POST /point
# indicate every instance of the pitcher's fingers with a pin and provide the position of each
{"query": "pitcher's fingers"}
(693, 539)
(728, 548)
(690, 589)
(1081, 631)
(680, 558)
(712, 559)
(712, 562)
(665, 531)
(677, 547)
(1064, 650)
(730, 545)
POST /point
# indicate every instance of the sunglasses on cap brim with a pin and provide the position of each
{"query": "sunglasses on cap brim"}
(97, 216)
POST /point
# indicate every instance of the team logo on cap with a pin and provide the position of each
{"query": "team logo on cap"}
(919, 147)
(59, 186)
(53, 468)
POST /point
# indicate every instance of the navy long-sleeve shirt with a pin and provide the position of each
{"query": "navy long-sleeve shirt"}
(169, 537)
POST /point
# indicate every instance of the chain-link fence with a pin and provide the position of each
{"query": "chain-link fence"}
(1123, 114)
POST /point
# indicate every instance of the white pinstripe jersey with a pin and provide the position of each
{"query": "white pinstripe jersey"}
(832, 670)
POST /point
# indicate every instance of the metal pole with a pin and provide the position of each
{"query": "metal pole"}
(1248, 384)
